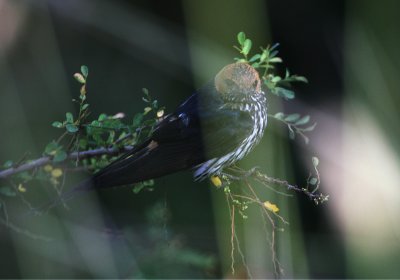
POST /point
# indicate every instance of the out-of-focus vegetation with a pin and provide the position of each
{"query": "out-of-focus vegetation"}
(347, 50)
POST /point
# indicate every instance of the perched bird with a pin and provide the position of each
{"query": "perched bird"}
(215, 127)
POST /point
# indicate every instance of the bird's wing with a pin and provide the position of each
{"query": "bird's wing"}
(200, 129)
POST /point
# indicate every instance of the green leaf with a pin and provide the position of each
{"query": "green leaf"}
(254, 57)
(85, 106)
(275, 60)
(300, 79)
(102, 117)
(276, 79)
(303, 120)
(60, 156)
(292, 117)
(138, 187)
(241, 37)
(285, 93)
(85, 70)
(69, 117)
(57, 124)
(8, 164)
(264, 56)
(246, 47)
(155, 104)
(51, 147)
(310, 128)
(241, 60)
(83, 143)
(148, 183)
(313, 181)
(7, 191)
(146, 110)
(71, 128)
(279, 116)
(95, 124)
(137, 120)
(315, 161)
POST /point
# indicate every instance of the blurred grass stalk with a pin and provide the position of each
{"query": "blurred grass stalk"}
(367, 204)
(212, 32)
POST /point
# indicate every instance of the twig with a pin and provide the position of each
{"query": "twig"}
(264, 179)
(74, 155)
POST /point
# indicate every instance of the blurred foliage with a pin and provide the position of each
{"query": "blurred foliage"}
(162, 251)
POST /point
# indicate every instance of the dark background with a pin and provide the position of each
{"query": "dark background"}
(171, 48)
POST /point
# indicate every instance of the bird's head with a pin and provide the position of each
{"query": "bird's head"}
(238, 80)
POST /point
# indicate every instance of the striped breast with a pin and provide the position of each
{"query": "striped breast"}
(258, 111)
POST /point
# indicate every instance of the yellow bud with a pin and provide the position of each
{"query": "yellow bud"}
(216, 181)
(271, 207)
(56, 173)
(160, 113)
(79, 77)
(48, 168)
(146, 110)
(21, 188)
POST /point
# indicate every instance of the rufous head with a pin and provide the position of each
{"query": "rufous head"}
(238, 78)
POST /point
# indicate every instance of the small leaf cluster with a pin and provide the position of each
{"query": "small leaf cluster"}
(297, 124)
(265, 63)
(78, 133)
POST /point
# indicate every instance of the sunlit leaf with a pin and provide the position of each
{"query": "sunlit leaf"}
(79, 77)
(241, 37)
(246, 46)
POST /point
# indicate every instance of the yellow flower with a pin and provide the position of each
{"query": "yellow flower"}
(56, 172)
(48, 168)
(21, 188)
(271, 207)
(216, 181)
(160, 113)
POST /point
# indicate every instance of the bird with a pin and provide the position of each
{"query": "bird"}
(212, 129)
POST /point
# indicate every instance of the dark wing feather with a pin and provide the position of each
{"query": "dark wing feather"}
(200, 129)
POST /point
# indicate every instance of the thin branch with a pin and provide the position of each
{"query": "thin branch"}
(267, 181)
(36, 163)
